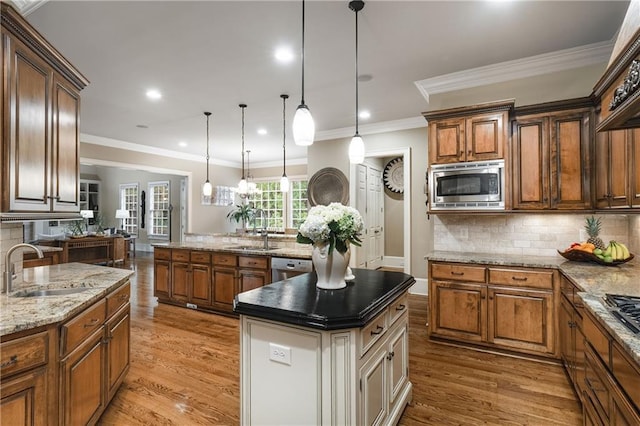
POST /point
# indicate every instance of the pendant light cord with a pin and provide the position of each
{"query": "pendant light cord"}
(356, 72)
(302, 100)
(207, 114)
(243, 106)
(284, 135)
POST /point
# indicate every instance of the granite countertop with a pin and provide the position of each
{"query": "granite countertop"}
(592, 279)
(248, 248)
(24, 313)
(298, 301)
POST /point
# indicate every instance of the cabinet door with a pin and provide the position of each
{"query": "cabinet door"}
(374, 394)
(65, 169)
(118, 350)
(398, 357)
(530, 174)
(446, 141)
(570, 160)
(82, 382)
(23, 399)
(612, 169)
(201, 284)
(180, 281)
(458, 310)
(567, 338)
(635, 168)
(521, 319)
(251, 278)
(29, 131)
(485, 136)
(224, 287)
(161, 279)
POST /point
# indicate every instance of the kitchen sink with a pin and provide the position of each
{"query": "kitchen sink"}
(50, 292)
(250, 248)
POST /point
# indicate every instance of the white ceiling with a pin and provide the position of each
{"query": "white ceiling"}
(213, 55)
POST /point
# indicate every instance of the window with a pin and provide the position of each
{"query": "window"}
(281, 210)
(129, 201)
(159, 209)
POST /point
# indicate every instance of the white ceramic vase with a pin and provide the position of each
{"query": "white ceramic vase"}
(330, 268)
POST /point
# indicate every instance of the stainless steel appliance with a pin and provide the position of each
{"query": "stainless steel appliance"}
(283, 268)
(477, 185)
(626, 309)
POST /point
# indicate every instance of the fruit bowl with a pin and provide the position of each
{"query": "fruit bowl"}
(583, 256)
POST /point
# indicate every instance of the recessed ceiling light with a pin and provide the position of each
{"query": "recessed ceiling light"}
(364, 114)
(154, 94)
(363, 78)
(262, 131)
(142, 126)
(284, 55)
(182, 144)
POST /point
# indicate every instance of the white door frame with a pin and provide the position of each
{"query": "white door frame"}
(405, 152)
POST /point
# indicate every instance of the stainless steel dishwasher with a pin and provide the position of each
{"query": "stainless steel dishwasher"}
(283, 268)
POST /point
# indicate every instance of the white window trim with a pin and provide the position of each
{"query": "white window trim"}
(288, 205)
(151, 235)
(137, 204)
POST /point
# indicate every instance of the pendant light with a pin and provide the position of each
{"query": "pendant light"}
(207, 188)
(242, 185)
(284, 180)
(356, 147)
(304, 128)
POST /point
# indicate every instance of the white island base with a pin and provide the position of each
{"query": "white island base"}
(298, 375)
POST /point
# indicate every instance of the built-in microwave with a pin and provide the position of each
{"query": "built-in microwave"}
(477, 185)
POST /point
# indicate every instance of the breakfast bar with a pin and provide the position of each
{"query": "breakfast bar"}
(342, 355)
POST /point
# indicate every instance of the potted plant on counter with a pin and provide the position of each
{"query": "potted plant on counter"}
(242, 214)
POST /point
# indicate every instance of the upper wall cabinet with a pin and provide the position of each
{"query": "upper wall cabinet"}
(41, 123)
(551, 156)
(617, 169)
(474, 133)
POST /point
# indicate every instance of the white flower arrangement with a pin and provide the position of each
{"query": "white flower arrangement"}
(335, 224)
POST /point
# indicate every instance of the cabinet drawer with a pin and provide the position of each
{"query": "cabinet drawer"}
(253, 262)
(373, 331)
(162, 253)
(596, 337)
(397, 308)
(458, 272)
(180, 255)
(224, 259)
(200, 257)
(520, 278)
(627, 374)
(76, 330)
(118, 298)
(24, 353)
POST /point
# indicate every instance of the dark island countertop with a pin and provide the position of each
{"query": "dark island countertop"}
(298, 301)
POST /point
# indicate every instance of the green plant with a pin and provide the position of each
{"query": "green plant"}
(243, 213)
(99, 223)
(76, 227)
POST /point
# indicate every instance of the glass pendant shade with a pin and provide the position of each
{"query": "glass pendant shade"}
(242, 186)
(304, 129)
(284, 184)
(207, 189)
(356, 150)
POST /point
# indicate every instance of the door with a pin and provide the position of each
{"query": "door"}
(180, 281)
(530, 174)
(200, 284)
(635, 168)
(161, 278)
(252, 278)
(459, 311)
(361, 206)
(118, 339)
(373, 379)
(398, 358)
(447, 141)
(375, 218)
(21, 399)
(484, 136)
(224, 287)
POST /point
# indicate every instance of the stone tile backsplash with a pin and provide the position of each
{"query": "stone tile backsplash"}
(528, 234)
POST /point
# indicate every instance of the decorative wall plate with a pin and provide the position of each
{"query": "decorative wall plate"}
(393, 175)
(328, 185)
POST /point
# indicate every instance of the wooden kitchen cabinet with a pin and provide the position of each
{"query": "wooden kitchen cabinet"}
(506, 308)
(191, 276)
(473, 133)
(551, 166)
(571, 335)
(617, 174)
(253, 272)
(40, 148)
(162, 273)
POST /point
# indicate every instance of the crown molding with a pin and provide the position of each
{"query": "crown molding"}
(369, 129)
(546, 63)
(25, 7)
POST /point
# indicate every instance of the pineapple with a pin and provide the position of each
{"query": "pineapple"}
(593, 226)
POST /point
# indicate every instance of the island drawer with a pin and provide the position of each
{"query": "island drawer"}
(520, 278)
(373, 331)
(201, 257)
(455, 272)
(74, 332)
(224, 259)
(253, 262)
(180, 255)
(22, 354)
(161, 253)
(118, 298)
(397, 308)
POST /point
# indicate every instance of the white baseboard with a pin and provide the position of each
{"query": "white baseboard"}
(393, 261)
(420, 287)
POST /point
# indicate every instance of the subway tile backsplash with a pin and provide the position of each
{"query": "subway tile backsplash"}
(528, 234)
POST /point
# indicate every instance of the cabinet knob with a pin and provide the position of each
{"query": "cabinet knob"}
(91, 322)
(13, 360)
(390, 355)
(377, 331)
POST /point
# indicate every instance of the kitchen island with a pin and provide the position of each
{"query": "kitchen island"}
(312, 356)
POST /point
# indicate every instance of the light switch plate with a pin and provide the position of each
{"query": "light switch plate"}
(279, 353)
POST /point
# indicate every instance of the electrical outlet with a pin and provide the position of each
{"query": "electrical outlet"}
(281, 354)
(192, 306)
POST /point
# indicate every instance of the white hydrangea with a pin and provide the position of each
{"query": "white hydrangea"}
(348, 221)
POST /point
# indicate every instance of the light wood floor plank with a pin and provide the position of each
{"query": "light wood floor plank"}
(185, 371)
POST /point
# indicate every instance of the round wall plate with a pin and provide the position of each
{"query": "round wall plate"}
(328, 185)
(393, 175)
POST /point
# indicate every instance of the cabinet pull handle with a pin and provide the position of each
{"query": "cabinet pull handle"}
(123, 297)
(390, 355)
(461, 153)
(457, 273)
(91, 322)
(519, 278)
(12, 361)
(400, 307)
(377, 331)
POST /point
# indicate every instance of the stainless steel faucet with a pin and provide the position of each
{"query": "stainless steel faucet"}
(8, 266)
(265, 238)
(263, 231)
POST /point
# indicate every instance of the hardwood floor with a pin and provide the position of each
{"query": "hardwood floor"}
(185, 371)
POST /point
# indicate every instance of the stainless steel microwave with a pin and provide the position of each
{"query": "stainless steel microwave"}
(477, 185)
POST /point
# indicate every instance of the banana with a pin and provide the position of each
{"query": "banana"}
(607, 251)
(614, 250)
(625, 251)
